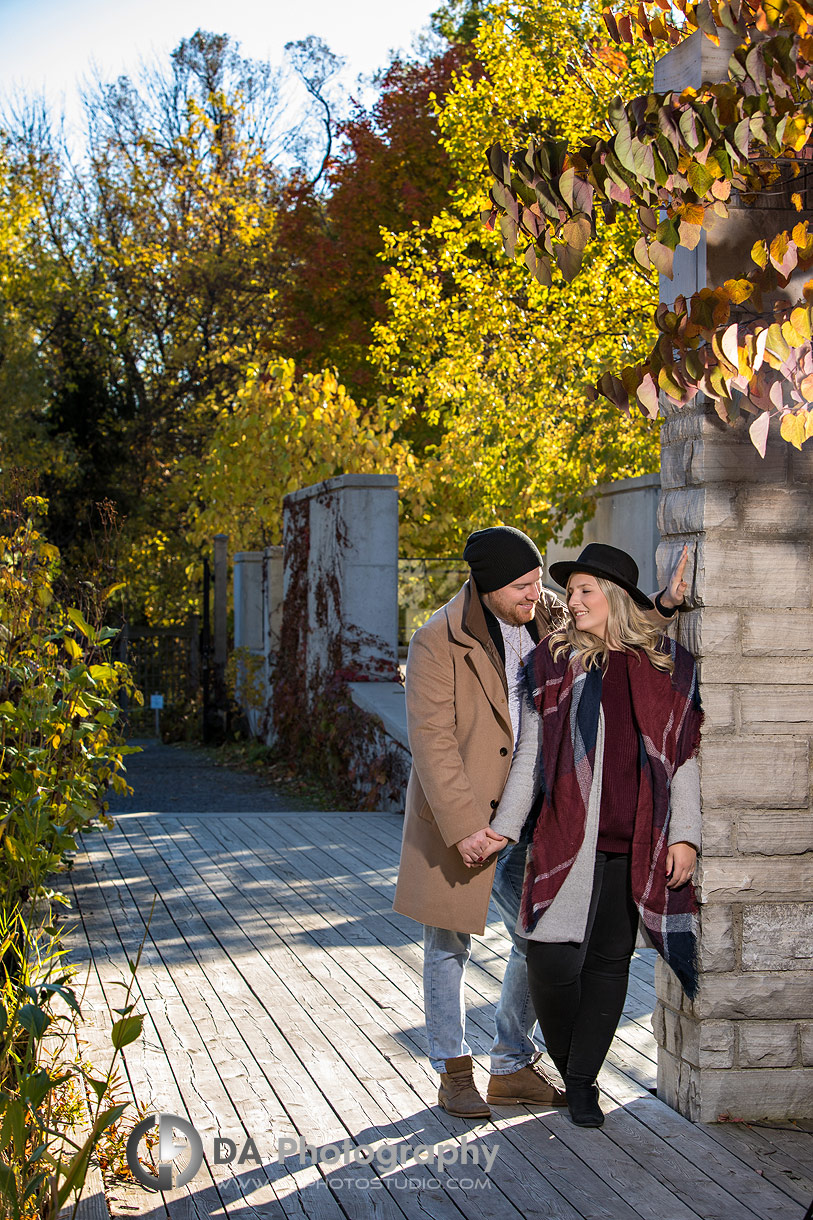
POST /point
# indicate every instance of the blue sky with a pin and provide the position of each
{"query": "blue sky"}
(52, 45)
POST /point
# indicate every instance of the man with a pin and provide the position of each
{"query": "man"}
(463, 697)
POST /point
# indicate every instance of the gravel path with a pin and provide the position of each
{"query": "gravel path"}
(184, 779)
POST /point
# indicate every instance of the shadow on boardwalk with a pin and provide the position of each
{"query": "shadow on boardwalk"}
(284, 1004)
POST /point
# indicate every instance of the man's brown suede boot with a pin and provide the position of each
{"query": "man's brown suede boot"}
(457, 1093)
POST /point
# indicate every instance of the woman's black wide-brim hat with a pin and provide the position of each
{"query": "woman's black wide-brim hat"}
(598, 559)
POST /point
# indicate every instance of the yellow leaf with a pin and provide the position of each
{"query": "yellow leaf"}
(102, 673)
(796, 134)
(776, 341)
(77, 617)
(759, 254)
(803, 239)
(72, 648)
(692, 213)
(792, 428)
(738, 290)
(800, 319)
(791, 335)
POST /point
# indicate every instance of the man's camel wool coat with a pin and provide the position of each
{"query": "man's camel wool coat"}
(461, 741)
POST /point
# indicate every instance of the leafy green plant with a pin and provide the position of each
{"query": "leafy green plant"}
(60, 751)
(43, 1165)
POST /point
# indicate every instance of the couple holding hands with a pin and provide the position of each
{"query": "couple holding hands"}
(553, 767)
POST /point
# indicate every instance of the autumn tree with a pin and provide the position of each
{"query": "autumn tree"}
(389, 170)
(286, 431)
(493, 370)
(678, 164)
(23, 280)
(165, 274)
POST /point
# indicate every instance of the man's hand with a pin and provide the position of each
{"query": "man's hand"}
(476, 848)
(677, 588)
(680, 861)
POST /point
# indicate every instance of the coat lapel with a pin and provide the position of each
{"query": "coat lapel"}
(468, 630)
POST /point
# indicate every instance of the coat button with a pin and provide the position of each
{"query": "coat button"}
(494, 804)
(503, 750)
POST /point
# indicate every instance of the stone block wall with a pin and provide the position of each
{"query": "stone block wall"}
(743, 1049)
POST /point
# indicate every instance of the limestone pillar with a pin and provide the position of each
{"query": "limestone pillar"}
(744, 1048)
(340, 609)
(273, 581)
(221, 642)
(251, 679)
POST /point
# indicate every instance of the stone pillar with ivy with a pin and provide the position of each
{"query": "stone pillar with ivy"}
(744, 1048)
(339, 627)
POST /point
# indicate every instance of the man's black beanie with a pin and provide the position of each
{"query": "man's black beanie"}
(499, 555)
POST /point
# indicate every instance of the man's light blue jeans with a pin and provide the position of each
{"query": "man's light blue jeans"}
(444, 967)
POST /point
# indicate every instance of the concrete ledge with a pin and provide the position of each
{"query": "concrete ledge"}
(340, 482)
(387, 701)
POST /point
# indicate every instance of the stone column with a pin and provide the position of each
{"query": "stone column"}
(744, 1048)
(251, 691)
(273, 578)
(221, 642)
(341, 575)
(273, 581)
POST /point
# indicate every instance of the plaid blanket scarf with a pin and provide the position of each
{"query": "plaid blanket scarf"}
(668, 718)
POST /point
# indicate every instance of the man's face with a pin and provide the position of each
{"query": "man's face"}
(515, 603)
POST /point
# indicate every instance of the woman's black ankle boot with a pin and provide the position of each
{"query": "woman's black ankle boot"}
(582, 1102)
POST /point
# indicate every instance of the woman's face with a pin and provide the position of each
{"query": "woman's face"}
(587, 604)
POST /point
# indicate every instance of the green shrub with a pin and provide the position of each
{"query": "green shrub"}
(60, 751)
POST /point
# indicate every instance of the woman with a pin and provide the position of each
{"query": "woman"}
(613, 748)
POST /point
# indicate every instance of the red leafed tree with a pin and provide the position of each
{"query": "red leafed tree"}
(390, 171)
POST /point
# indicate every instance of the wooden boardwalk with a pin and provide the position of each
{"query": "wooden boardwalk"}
(283, 1001)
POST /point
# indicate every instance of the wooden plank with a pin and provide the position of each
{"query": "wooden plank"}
(679, 1152)
(344, 1033)
(770, 1203)
(193, 1038)
(482, 992)
(300, 992)
(104, 920)
(576, 1184)
(756, 1149)
(308, 1043)
(575, 1179)
(496, 936)
(613, 1158)
(161, 1088)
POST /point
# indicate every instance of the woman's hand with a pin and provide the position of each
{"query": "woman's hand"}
(677, 588)
(476, 849)
(495, 843)
(680, 861)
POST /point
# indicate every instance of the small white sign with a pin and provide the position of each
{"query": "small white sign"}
(156, 702)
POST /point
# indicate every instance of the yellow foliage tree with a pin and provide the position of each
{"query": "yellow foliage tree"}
(489, 368)
(285, 433)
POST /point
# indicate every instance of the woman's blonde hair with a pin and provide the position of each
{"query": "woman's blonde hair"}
(627, 630)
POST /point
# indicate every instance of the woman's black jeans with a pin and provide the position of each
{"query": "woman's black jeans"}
(578, 990)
